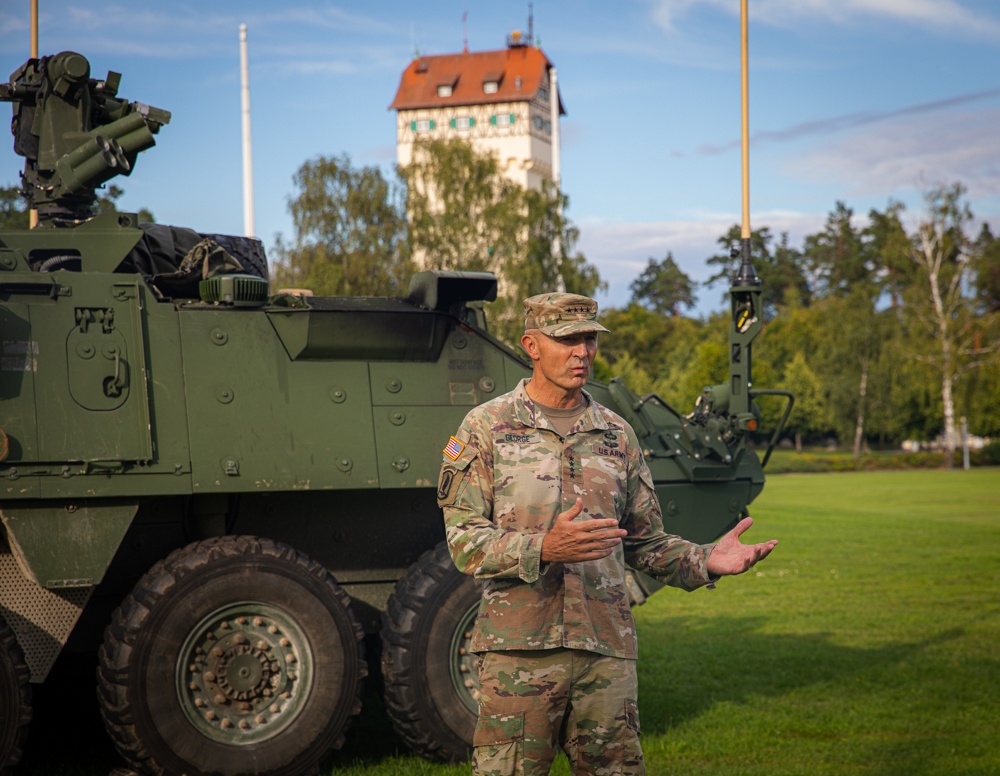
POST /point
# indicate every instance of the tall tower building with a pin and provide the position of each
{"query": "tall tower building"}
(505, 102)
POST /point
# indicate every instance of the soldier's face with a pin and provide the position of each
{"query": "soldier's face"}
(562, 364)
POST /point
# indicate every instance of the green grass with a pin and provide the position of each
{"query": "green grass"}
(866, 644)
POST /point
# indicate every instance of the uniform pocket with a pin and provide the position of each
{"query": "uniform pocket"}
(499, 745)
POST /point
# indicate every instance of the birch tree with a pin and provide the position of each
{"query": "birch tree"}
(943, 253)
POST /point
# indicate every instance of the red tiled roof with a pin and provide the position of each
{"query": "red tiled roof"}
(519, 72)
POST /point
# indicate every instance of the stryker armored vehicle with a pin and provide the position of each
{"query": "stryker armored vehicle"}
(221, 491)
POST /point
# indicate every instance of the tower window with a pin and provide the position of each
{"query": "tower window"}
(444, 90)
(490, 87)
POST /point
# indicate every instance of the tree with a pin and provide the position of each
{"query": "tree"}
(663, 287)
(464, 214)
(987, 270)
(835, 256)
(108, 203)
(14, 211)
(943, 256)
(887, 248)
(350, 232)
(811, 415)
(781, 271)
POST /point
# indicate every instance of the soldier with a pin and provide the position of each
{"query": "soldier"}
(546, 497)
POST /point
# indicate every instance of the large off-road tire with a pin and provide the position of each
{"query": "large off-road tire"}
(234, 656)
(248, 251)
(15, 697)
(431, 680)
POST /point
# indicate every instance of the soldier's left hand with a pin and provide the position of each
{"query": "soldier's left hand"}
(731, 556)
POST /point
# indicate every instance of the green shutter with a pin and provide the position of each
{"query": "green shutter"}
(413, 126)
(432, 123)
(493, 120)
(512, 119)
(472, 122)
(452, 123)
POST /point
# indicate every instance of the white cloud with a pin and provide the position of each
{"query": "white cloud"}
(907, 153)
(949, 16)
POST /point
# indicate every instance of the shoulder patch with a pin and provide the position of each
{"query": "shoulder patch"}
(454, 448)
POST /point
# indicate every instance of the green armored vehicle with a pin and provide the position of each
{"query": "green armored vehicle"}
(222, 492)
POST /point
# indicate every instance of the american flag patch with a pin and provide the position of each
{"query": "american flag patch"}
(454, 448)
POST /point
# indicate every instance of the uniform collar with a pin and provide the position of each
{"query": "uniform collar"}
(527, 413)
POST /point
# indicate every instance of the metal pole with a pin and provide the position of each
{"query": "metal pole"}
(32, 213)
(744, 67)
(965, 443)
(556, 166)
(248, 220)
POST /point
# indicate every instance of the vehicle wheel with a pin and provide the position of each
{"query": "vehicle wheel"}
(15, 697)
(248, 251)
(233, 656)
(431, 679)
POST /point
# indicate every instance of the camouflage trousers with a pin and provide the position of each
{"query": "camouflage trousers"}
(535, 701)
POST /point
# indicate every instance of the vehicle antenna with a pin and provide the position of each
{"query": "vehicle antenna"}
(745, 129)
(33, 213)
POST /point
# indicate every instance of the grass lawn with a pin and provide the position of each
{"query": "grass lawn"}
(868, 643)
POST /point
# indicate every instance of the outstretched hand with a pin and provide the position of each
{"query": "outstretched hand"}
(572, 540)
(731, 556)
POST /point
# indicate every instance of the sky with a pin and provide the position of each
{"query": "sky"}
(860, 101)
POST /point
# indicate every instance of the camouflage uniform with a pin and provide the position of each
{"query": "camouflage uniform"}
(505, 476)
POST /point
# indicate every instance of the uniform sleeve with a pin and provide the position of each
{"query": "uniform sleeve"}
(465, 494)
(666, 557)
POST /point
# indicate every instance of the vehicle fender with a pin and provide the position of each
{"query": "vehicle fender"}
(66, 544)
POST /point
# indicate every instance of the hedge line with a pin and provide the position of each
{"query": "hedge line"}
(840, 462)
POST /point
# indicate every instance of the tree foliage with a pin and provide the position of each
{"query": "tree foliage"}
(464, 214)
(350, 232)
(885, 330)
(663, 287)
(358, 232)
(14, 211)
(780, 268)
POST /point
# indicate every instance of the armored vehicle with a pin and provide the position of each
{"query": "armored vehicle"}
(221, 491)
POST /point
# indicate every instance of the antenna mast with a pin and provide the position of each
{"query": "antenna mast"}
(745, 130)
(33, 213)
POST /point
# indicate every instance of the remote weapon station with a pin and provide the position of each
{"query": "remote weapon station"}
(223, 493)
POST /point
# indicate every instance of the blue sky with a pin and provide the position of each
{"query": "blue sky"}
(853, 100)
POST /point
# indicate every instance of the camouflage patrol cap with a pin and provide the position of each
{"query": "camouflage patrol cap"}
(559, 315)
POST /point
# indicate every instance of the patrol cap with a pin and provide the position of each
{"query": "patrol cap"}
(559, 315)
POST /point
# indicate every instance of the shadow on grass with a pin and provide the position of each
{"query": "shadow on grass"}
(697, 664)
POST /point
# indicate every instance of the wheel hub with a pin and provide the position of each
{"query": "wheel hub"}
(243, 673)
(464, 675)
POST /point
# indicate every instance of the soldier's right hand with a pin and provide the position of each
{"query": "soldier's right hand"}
(572, 540)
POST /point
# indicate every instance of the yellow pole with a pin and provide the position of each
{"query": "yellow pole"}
(33, 214)
(744, 67)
